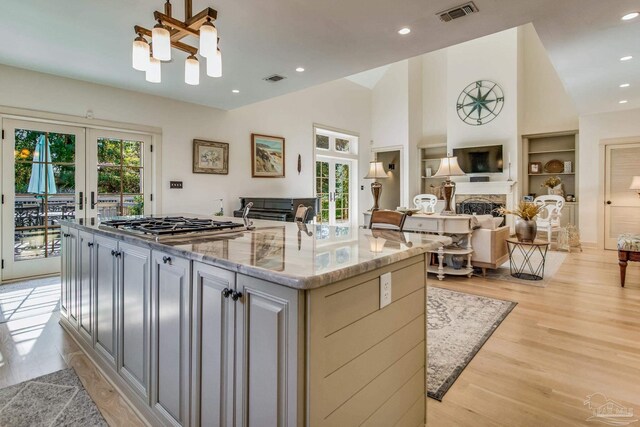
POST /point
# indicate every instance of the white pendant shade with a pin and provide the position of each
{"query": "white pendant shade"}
(161, 40)
(449, 167)
(153, 74)
(208, 40)
(141, 52)
(192, 71)
(214, 65)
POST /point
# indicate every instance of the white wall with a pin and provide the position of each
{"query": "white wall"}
(434, 97)
(593, 129)
(340, 104)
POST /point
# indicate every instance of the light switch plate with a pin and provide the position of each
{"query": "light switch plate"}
(175, 184)
(385, 290)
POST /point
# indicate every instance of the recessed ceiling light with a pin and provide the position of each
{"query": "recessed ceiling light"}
(235, 91)
(630, 16)
(626, 58)
(625, 85)
(404, 31)
(624, 101)
(300, 69)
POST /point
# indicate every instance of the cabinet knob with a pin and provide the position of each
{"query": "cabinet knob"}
(113, 252)
(90, 244)
(66, 234)
(608, 202)
(226, 292)
(166, 259)
(236, 296)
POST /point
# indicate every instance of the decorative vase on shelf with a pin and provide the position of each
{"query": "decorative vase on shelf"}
(457, 261)
(526, 230)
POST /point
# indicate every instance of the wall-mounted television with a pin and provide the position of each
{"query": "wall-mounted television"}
(487, 159)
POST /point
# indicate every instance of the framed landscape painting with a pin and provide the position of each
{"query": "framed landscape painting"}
(210, 157)
(267, 156)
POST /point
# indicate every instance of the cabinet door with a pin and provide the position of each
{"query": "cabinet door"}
(170, 337)
(267, 358)
(105, 298)
(134, 300)
(72, 274)
(64, 271)
(85, 285)
(212, 346)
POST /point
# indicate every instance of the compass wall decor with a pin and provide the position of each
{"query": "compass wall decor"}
(480, 102)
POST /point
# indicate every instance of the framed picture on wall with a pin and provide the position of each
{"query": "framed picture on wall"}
(210, 157)
(535, 167)
(267, 156)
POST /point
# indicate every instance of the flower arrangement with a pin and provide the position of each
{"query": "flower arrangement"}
(525, 210)
(551, 182)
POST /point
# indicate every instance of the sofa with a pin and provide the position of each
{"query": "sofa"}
(489, 243)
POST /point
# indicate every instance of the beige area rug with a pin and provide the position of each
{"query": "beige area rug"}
(553, 262)
(458, 325)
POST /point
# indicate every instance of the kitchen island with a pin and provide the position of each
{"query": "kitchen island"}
(283, 324)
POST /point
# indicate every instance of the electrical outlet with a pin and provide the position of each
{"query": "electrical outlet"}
(175, 184)
(385, 290)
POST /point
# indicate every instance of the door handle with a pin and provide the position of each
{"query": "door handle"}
(81, 203)
(93, 200)
(608, 202)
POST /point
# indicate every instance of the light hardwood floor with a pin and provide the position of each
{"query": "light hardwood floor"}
(579, 335)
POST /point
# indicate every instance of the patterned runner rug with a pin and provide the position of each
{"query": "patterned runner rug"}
(458, 325)
(56, 399)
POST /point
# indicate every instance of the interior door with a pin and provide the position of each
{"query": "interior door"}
(622, 208)
(118, 173)
(42, 183)
(333, 187)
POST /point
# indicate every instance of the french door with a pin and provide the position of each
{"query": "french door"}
(55, 172)
(333, 188)
(622, 205)
(43, 181)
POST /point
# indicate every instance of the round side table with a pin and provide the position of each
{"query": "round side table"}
(526, 259)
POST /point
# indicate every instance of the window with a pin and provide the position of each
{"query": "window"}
(322, 142)
(120, 177)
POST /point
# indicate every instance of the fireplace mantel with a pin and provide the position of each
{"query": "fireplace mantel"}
(489, 187)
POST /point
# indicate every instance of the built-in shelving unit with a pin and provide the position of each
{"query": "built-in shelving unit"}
(543, 148)
(430, 160)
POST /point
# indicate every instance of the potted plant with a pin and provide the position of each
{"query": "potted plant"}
(526, 227)
(554, 186)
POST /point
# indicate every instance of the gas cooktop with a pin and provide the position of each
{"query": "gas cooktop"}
(171, 226)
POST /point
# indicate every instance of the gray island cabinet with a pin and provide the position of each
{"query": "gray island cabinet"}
(264, 327)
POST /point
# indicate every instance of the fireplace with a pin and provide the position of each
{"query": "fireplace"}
(486, 204)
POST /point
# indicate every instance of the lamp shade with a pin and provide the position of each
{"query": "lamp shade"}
(208, 39)
(214, 64)
(192, 71)
(376, 171)
(449, 167)
(635, 183)
(141, 52)
(161, 39)
(153, 71)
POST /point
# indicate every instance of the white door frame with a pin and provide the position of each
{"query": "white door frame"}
(404, 173)
(601, 183)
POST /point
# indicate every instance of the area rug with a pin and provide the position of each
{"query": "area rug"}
(458, 325)
(56, 399)
(553, 262)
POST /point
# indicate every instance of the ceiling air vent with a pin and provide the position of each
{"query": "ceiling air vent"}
(458, 12)
(275, 78)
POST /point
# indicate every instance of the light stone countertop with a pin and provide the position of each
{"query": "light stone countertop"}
(286, 253)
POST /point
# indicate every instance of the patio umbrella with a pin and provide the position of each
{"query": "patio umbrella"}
(42, 173)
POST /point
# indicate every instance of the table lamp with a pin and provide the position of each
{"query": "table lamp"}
(448, 167)
(376, 171)
(635, 184)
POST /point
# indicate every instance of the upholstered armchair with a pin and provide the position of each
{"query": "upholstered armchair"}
(549, 219)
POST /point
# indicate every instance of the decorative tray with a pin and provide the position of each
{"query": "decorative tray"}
(554, 166)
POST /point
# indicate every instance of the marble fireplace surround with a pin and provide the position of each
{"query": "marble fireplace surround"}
(496, 191)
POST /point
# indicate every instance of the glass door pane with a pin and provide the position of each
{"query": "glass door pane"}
(41, 185)
(333, 187)
(342, 172)
(322, 190)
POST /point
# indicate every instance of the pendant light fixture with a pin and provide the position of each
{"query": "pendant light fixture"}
(214, 65)
(141, 52)
(168, 33)
(153, 72)
(208, 39)
(192, 71)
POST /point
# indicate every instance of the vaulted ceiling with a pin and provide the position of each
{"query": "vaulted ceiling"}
(331, 39)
